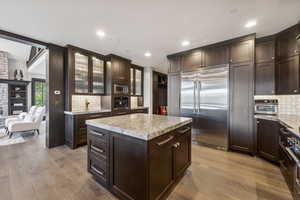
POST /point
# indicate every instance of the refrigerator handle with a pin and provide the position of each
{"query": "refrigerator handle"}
(199, 90)
(194, 106)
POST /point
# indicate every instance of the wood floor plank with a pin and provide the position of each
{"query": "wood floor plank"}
(30, 171)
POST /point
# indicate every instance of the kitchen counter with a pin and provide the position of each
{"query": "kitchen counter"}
(86, 112)
(142, 126)
(152, 151)
(291, 122)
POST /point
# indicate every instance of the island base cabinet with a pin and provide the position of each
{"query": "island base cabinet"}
(135, 169)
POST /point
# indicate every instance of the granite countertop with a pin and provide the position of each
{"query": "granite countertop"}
(86, 112)
(142, 126)
(291, 122)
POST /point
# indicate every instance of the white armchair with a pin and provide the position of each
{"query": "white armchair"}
(30, 123)
(20, 117)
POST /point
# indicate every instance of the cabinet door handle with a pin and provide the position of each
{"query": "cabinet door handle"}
(273, 57)
(165, 141)
(296, 51)
(96, 133)
(184, 130)
(295, 90)
(97, 171)
(298, 37)
(96, 149)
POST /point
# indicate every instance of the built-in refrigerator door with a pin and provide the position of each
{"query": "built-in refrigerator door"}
(188, 94)
(210, 125)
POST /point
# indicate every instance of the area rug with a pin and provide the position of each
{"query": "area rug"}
(16, 138)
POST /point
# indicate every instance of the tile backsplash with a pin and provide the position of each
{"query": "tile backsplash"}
(287, 104)
(78, 102)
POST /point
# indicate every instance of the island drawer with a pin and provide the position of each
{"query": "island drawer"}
(98, 168)
(98, 148)
(98, 134)
(183, 130)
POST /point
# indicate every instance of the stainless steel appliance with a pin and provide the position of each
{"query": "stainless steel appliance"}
(266, 106)
(121, 102)
(204, 97)
(121, 89)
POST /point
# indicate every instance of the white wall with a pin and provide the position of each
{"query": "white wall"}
(148, 79)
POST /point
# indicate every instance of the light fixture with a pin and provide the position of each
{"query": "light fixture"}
(101, 33)
(148, 54)
(185, 43)
(250, 24)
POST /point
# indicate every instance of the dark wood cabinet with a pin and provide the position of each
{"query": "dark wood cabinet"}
(140, 110)
(85, 72)
(268, 139)
(286, 42)
(216, 55)
(265, 50)
(265, 66)
(76, 130)
(265, 78)
(287, 76)
(154, 167)
(175, 64)
(136, 80)
(120, 69)
(241, 135)
(193, 60)
(242, 52)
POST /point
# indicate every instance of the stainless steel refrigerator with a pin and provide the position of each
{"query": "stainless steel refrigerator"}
(204, 97)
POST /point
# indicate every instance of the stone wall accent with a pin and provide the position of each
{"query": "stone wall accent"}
(3, 87)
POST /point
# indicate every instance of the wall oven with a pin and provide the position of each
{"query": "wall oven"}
(266, 106)
(121, 89)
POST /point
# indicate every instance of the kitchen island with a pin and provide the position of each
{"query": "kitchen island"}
(139, 156)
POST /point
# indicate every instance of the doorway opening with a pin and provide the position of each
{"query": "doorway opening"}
(23, 92)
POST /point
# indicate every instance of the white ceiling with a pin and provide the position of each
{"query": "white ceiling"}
(135, 26)
(16, 50)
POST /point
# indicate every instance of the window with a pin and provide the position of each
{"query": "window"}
(38, 92)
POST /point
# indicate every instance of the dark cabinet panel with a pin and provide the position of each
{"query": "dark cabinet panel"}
(175, 64)
(241, 52)
(287, 76)
(265, 51)
(161, 165)
(287, 43)
(121, 70)
(268, 139)
(265, 78)
(241, 108)
(182, 153)
(193, 61)
(216, 55)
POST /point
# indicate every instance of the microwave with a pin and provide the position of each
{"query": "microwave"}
(121, 89)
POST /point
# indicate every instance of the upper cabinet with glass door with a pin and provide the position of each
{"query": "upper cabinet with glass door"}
(81, 69)
(136, 77)
(98, 76)
(85, 72)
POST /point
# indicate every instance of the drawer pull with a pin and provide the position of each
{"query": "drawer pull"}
(176, 145)
(165, 141)
(96, 170)
(96, 133)
(96, 149)
(184, 130)
(298, 37)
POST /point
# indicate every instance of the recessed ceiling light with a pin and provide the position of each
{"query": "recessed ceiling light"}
(185, 43)
(148, 54)
(250, 24)
(101, 33)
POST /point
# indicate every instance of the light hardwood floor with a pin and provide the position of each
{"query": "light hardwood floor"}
(30, 171)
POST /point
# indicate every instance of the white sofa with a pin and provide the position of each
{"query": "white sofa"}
(30, 123)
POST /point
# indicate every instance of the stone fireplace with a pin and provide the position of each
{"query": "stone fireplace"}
(3, 87)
